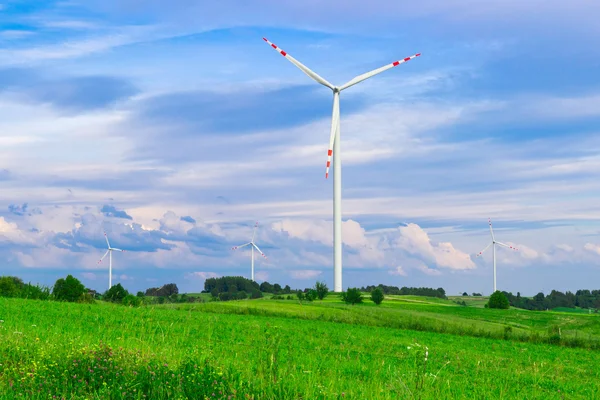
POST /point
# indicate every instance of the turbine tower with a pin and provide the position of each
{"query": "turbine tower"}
(334, 150)
(109, 252)
(253, 246)
(493, 244)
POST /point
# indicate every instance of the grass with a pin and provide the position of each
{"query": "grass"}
(282, 350)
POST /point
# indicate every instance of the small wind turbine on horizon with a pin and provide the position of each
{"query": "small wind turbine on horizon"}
(253, 247)
(493, 244)
(334, 150)
(109, 252)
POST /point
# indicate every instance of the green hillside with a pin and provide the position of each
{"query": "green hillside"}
(280, 349)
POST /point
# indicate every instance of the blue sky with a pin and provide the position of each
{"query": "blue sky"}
(174, 127)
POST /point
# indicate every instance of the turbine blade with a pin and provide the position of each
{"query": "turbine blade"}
(335, 117)
(239, 247)
(482, 251)
(259, 250)
(105, 254)
(367, 75)
(491, 230)
(507, 246)
(302, 67)
(106, 237)
(117, 249)
(254, 232)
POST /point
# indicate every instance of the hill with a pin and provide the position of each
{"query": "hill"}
(279, 349)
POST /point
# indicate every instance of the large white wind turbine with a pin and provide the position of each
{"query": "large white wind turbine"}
(109, 252)
(252, 247)
(334, 150)
(493, 244)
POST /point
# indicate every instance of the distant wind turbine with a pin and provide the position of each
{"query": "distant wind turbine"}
(253, 246)
(493, 244)
(334, 150)
(109, 252)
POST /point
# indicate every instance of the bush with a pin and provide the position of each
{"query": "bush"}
(116, 294)
(86, 298)
(311, 295)
(377, 296)
(131, 300)
(8, 287)
(68, 289)
(352, 296)
(241, 295)
(321, 289)
(300, 295)
(498, 300)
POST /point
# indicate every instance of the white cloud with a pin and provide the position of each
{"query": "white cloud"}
(592, 248)
(415, 240)
(398, 271)
(429, 271)
(89, 275)
(305, 273)
(261, 276)
(201, 275)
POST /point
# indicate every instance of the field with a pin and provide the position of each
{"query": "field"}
(409, 347)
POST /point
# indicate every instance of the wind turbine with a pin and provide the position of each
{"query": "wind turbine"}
(109, 252)
(253, 246)
(334, 150)
(493, 244)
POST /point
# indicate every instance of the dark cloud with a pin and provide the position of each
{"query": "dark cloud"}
(71, 94)
(188, 219)
(111, 211)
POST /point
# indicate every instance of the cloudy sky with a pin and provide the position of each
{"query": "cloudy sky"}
(173, 127)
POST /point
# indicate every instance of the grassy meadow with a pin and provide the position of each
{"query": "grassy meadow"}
(409, 347)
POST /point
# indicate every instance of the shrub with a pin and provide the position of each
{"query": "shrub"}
(321, 289)
(377, 296)
(498, 300)
(8, 287)
(311, 295)
(131, 300)
(300, 295)
(241, 295)
(352, 296)
(68, 289)
(116, 294)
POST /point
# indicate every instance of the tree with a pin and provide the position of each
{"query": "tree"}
(300, 295)
(377, 296)
(8, 288)
(68, 289)
(266, 287)
(465, 294)
(311, 294)
(352, 296)
(287, 289)
(116, 294)
(277, 288)
(498, 300)
(131, 300)
(140, 294)
(321, 289)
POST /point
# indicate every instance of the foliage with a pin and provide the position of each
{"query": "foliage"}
(498, 300)
(12, 286)
(477, 295)
(465, 294)
(310, 294)
(377, 296)
(165, 290)
(582, 298)
(227, 287)
(115, 294)
(321, 289)
(68, 289)
(352, 296)
(406, 291)
(131, 300)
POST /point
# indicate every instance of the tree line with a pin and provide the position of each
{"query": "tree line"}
(581, 298)
(394, 290)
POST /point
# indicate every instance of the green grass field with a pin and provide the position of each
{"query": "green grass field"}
(280, 349)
